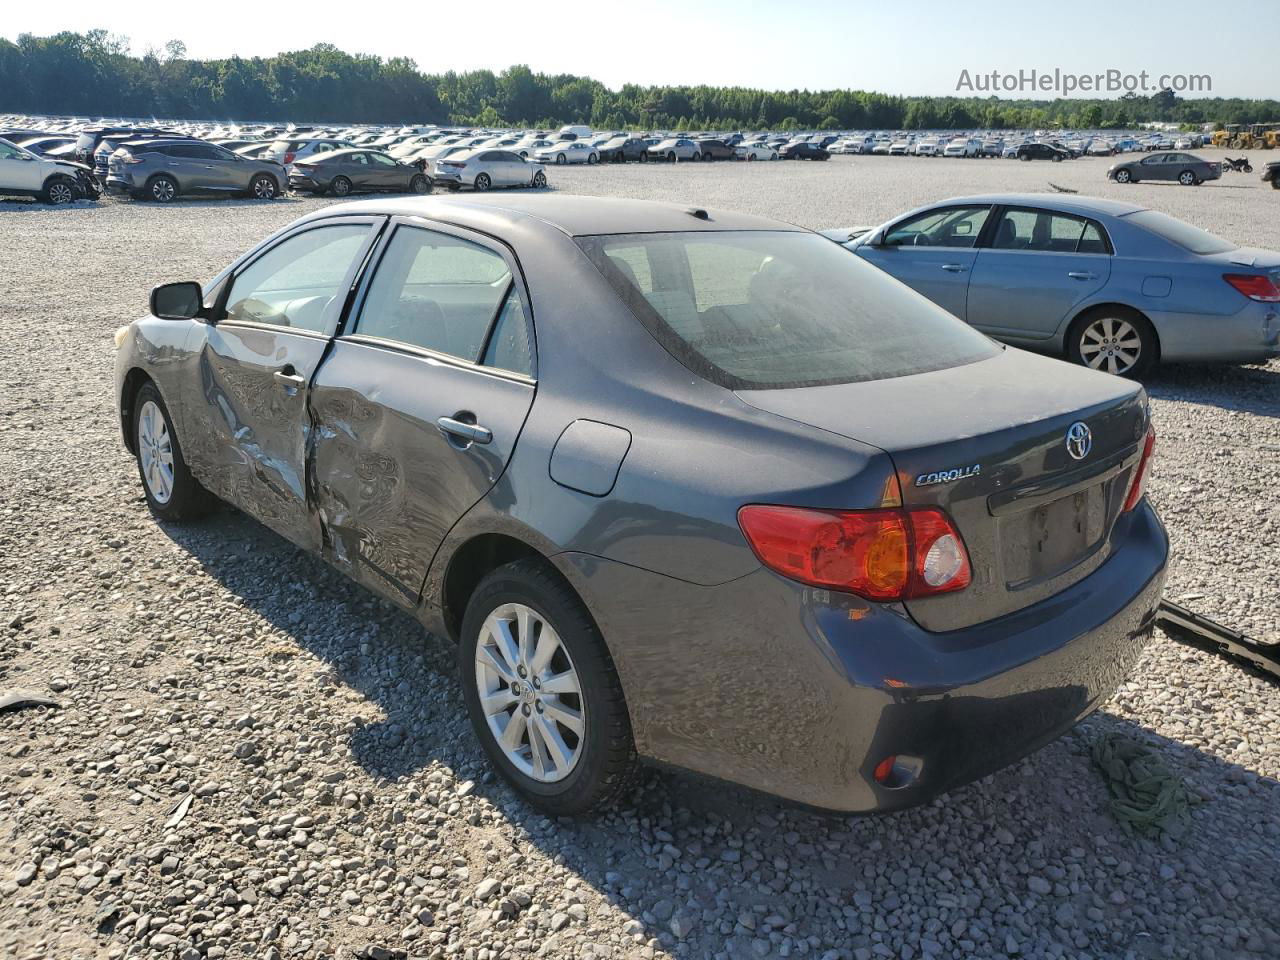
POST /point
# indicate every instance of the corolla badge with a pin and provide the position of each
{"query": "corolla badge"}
(1079, 440)
(948, 476)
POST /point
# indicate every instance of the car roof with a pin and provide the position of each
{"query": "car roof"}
(576, 216)
(1067, 204)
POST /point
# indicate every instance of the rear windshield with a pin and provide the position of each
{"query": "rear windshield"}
(762, 310)
(1183, 234)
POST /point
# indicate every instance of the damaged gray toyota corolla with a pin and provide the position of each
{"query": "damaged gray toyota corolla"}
(657, 471)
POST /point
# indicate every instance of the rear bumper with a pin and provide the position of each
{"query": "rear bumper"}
(801, 692)
(1251, 335)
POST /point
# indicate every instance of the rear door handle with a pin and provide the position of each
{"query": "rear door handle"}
(471, 432)
(954, 267)
(1082, 275)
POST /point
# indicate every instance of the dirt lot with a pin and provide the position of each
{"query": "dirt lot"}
(339, 803)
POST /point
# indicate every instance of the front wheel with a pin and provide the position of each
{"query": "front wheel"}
(542, 692)
(172, 492)
(539, 179)
(592, 159)
(1114, 340)
(561, 158)
(58, 191)
(1123, 176)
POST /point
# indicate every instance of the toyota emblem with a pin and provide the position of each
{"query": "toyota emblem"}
(1079, 440)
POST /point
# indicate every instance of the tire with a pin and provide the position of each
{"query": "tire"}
(1023, 156)
(1057, 158)
(483, 182)
(1123, 176)
(264, 187)
(561, 159)
(671, 156)
(1187, 178)
(773, 156)
(597, 766)
(539, 180)
(172, 492)
(162, 188)
(340, 186)
(420, 184)
(1275, 182)
(592, 159)
(704, 157)
(1248, 168)
(58, 191)
(750, 157)
(1087, 342)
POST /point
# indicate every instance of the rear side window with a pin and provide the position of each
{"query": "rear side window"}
(509, 347)
(1047, 231)
(435, 291)
(761, 310)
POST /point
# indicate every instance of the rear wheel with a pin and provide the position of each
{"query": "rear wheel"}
(1187, 178)
(264, 187)
(1023, 156)
(162, 189)
(421, 183)
(58, 190)
(542, 693)
(340, 186)
(172, 492)
(592, 159)
(1114, 340)
(560, 158)
(483, 182)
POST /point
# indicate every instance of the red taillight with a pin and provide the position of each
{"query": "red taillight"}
(1138, 485)
(288, 157)
(888, 554)
(1254, 286)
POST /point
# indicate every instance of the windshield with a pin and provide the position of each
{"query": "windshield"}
(764, 309)
(1183, 234)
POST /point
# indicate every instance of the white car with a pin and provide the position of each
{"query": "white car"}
(927, 148)
(531, 145)
(963, 148)
(755, 151)
(568, 151)
(24, 174)
(482, 168)
(899, 148)
(1101, 148)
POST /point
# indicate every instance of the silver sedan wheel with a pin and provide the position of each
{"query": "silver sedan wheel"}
(530, 693)
(1111, 344)
(61, 192)
(155, 452)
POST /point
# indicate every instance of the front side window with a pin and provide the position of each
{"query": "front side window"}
(766, 309)
(293, 284)
(381, 160)
(435, 291)
(951, 227)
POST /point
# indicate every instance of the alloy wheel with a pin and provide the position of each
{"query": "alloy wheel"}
(155, 452)
(1111, 344)
(163, 190)
(530, 693)
(264, 188)
(61, 192)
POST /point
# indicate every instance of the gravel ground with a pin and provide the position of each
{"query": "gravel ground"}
(339, 805)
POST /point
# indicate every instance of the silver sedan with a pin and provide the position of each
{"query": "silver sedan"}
(485, 168)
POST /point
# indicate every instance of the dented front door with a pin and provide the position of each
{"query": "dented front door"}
(272, 327)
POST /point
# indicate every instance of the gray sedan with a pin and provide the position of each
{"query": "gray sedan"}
(1111, 285)
(682, 484)
(341, 172)
(1184, 168)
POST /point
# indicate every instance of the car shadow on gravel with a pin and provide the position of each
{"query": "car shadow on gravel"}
(704, 867)
(1251, 388)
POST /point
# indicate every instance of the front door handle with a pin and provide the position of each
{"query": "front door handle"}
(1082, 275)
(954, 267)
(291, 381)
(470, 432)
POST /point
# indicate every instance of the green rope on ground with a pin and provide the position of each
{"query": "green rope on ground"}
(1145, 794)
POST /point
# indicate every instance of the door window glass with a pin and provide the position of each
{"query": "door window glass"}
(381, 160)
(435, 291)
(293, 283)
(509, 344)
(952, 227)
(1044, 231)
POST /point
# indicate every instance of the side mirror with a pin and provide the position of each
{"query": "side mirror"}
(177, 301)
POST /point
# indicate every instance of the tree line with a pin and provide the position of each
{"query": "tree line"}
(95, 74)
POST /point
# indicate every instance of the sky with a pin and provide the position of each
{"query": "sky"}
(915, 48)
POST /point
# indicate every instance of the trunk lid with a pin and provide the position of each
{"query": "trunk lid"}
(987, 442)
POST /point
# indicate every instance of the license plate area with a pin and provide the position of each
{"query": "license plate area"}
(1049, 539)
